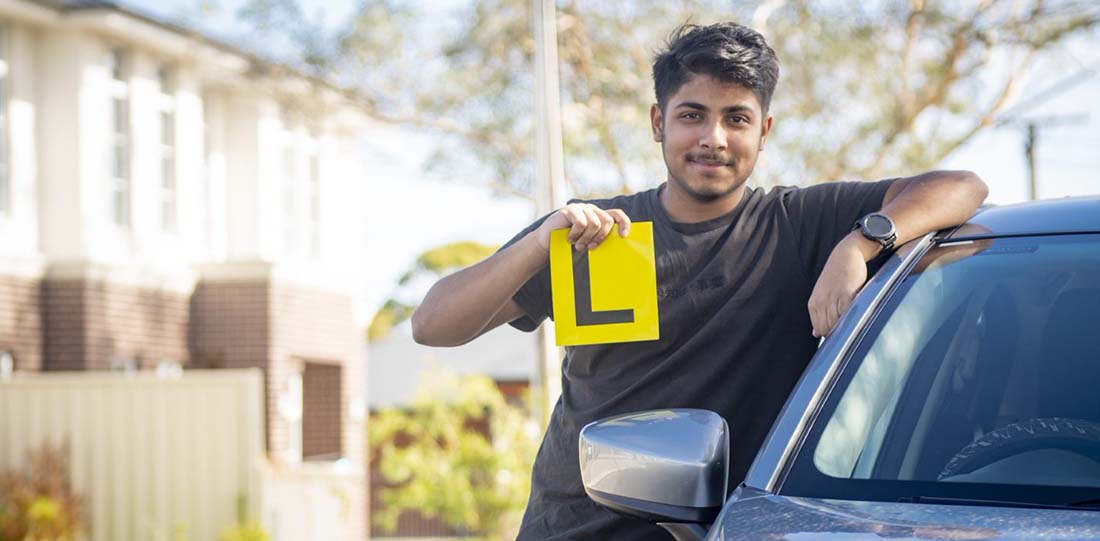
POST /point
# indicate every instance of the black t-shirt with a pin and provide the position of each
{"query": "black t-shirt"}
(735, 337)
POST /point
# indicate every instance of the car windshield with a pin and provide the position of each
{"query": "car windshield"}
(979, 379)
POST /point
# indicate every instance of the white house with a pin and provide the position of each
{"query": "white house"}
(167, 201)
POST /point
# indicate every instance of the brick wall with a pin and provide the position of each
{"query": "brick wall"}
(318, 326)
(63, 327)
(21, 321)
(90, 324)
(311, 326)
(285, 329)
(230, 328)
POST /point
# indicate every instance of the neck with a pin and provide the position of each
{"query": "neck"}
(685, 209)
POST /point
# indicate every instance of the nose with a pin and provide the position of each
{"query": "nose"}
(713, 137)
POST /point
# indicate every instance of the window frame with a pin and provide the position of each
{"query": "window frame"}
(7, 192)
(120, 136)
(168, 137)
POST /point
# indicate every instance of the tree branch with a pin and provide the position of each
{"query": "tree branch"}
(990, 115)
(583, 65)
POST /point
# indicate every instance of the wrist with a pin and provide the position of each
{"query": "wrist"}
(536, 244)
(865, 247)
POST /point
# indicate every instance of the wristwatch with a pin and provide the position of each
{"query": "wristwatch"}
(879, 228)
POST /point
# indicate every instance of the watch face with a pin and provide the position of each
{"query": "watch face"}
(878, 226)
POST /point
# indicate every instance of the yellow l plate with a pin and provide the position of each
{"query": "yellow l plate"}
(608, 294)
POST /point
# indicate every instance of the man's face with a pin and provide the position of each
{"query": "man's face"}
(710, 133)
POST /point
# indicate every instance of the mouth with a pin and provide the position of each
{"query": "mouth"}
(708, 163)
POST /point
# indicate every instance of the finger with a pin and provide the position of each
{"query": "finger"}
(815, 318)
(622, 219)
(842, 304)
(590, 229)
(606, 222)
(831, 317)
(579, 221)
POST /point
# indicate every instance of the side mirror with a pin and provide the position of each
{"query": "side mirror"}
(666, 466)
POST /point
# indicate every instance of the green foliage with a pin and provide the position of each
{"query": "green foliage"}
(434, 263)
(462, 454)
(391, 314)
(246, 529)
(444, 259)
(40, 503)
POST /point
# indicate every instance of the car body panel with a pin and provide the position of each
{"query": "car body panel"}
(1057, 216)
(769, 517)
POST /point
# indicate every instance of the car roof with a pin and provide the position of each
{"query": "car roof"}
(1054, 216)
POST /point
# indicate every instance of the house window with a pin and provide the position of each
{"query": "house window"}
(5, 165)
(290, 215)
(168, 190)
(322, 414)
(207, 185)
(314, 199)
(119, 140)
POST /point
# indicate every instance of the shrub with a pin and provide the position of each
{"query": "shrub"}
(39, 503)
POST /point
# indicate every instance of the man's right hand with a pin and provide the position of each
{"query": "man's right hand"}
(588, 225)
(474, 300)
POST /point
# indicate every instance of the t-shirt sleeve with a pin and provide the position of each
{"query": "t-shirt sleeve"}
(823, 214)
(534, 296)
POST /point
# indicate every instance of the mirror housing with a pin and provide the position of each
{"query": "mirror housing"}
(666, 466)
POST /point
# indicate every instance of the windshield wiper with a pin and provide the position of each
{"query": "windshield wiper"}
(1087, 505)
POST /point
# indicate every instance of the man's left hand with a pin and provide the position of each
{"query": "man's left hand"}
(843, 276)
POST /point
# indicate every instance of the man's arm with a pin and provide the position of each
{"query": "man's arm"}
(473, 301)
(917, 205)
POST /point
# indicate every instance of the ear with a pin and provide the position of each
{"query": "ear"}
(765, 129)
(657, 121)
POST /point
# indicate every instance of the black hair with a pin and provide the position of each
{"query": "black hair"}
(726, 51)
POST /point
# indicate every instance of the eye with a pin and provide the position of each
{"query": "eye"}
(738, 119)
(691, 116)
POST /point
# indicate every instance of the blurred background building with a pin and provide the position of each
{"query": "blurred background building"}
(170, 202)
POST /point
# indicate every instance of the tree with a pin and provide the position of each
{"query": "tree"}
(867, 89)
(461, 453)
(433, 264)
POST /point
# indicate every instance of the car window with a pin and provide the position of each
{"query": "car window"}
(983, 368)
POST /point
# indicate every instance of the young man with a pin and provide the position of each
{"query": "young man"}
(746, 281)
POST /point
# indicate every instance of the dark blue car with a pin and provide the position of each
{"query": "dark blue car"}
(959, 398)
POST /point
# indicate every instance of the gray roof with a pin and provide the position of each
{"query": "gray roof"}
(395, 366)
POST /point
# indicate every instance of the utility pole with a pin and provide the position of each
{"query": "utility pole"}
(1029, 153)
(549, 175)
(1014, 117)
(1032, 127)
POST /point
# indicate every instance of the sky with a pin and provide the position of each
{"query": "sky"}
(408, 212)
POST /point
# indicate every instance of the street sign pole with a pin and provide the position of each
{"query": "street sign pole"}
(549, 175)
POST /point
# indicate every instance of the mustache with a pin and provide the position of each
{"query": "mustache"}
(709, 158)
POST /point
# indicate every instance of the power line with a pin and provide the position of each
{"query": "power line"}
(1011, 115)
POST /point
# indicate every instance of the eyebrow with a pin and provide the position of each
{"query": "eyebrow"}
(739, 108)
